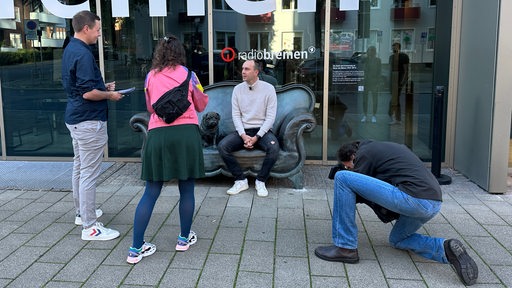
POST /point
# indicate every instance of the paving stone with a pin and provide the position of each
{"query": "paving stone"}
(156, 263)
(401, 283)
(19, 260)
(264, 207)
(107, 276)
(291, 243)
(240, 200)
(253, 280)
(215, 273)
(358, 275)
(262, 229)
(235, 217)
(244, 240)
(194, 258)
(396, 263)
(490, 250)
(82, 265)
(504, 274)
(316, 209)
(258, 256)
(322, 282)
(36, 275)
(228, 241)
(180, 278)
(291, 272)
(290, 218)
(51, 235)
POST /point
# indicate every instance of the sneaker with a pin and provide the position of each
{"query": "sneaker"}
(135, 255)
(374, 119)
(261, 189)
(99, 232)
(363, 119)
(464, 265)
(239, 186)
(184, 243)
(78, 219)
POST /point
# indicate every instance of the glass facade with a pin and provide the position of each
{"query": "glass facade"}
(344, 56)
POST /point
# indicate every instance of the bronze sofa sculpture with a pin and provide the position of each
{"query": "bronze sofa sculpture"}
(295, 104)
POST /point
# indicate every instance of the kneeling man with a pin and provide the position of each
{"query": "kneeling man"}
(393, 177)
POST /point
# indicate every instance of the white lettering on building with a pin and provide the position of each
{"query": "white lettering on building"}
(120, 8)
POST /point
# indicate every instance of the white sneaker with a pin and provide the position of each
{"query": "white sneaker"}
(261, 189)
(374, 119)
(99, 232)
(135, 255)
(239, 186)
(363, 119)
(78, 219)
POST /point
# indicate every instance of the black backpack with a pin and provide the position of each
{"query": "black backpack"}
(173, 103)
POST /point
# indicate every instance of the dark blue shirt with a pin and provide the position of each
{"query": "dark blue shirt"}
(81, 74)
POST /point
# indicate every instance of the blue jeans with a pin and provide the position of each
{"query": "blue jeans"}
(233, 142)
(414, 212)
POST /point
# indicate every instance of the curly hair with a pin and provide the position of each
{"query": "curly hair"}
(169, 52)
(346, 151)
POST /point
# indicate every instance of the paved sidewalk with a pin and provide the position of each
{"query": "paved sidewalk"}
(244, 240)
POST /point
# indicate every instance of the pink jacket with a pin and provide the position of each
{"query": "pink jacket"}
(157, 83)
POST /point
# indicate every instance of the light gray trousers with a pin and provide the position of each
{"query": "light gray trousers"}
(89, 140)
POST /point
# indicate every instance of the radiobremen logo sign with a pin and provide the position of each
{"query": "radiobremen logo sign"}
(228, 54)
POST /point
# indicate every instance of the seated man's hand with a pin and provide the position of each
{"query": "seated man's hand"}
(247, 141)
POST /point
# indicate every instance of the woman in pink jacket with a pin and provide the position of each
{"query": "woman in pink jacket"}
(172, 151)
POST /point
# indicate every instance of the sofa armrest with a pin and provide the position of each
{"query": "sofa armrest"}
(291, 131)
(139, 123)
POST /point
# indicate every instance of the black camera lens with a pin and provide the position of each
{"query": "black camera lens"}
(335, 169)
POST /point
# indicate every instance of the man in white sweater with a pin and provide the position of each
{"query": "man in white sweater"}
(254, 109)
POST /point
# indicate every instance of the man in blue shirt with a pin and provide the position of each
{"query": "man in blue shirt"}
(86, 119)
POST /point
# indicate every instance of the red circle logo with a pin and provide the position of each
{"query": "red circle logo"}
(227, 54)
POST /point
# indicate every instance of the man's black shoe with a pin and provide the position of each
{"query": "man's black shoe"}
(464, 265)
(337, 254)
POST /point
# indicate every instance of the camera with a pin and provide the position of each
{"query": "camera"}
(335, 169)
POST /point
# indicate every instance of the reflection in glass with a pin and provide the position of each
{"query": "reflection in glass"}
(32, 93)
(352, 82)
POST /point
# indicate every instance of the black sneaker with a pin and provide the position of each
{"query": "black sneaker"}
(464, 265)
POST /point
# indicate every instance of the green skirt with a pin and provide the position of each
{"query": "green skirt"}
(173, 152)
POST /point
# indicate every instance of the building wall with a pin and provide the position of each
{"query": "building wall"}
(476, 89)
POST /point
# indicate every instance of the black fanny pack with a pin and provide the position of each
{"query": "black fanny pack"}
(173, 103)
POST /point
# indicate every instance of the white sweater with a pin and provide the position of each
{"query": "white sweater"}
(254, 108)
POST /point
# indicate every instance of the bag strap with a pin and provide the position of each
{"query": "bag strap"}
(184, 83)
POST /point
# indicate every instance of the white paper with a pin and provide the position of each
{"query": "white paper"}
(8, 11)
(195, 8)
(347, 5)
(157, 8)
(120, 8)
(127, 91)
(306, 6)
